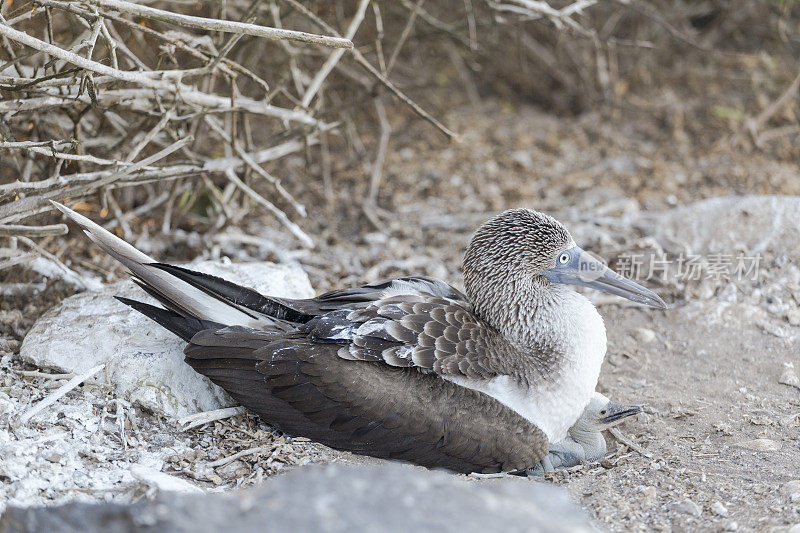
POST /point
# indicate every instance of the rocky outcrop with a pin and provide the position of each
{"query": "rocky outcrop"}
(387, 497)
(143, 361)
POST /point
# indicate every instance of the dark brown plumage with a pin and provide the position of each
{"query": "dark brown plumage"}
(303, 387)
(309, 377)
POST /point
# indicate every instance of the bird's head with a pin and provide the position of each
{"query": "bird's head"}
(602, 413)
(522, 246)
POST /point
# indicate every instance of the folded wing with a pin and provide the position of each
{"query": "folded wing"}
(304, 388)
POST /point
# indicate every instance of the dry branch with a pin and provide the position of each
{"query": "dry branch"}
(15, 230)
(222, 25)
(72, 81)
(188, 109)
(58, 394)
(361, 60)
(334, 58)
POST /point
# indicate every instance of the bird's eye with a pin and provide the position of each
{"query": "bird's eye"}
(563, 258)
(603, 412)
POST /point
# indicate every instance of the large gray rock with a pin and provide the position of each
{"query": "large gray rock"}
(752, 224)
(143, 361)
(386, 497)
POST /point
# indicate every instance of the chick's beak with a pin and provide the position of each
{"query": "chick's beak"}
(616, 413)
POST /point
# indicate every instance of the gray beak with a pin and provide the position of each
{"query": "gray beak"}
(576, 267)
(616, 413)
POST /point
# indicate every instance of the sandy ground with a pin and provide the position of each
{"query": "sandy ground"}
(719, 430)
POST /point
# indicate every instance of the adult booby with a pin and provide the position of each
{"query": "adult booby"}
(410, 368)
(584, 441)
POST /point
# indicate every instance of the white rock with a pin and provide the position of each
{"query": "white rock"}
(232, 469)
(645, 335)
(755, 224)
(687, 506)
(794, 529)
(791, 487)
(6, 406)
(523, 158)
(143, 361)
(649, 494)
(773, 329)
(789, 377)
(718, 509)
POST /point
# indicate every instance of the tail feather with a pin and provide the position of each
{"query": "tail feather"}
(182, 326)
(226, 291)
(181, 296)
(158, 296)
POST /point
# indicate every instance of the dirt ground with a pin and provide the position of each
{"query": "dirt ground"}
(720, 432)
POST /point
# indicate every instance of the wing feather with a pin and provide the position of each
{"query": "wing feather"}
(434, 334)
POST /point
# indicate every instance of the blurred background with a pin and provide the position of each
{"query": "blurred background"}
(447, 112)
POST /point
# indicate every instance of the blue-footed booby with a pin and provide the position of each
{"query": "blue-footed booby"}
(409, 368)
(584, 441)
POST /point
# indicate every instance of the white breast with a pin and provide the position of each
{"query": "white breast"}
(555, 404)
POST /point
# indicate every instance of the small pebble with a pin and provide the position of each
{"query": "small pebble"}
(53, 457)
(214, 478)
(233, 469)
(650, 494)
(687, 506)
(376, 238)
(793, 317)
(718, 509)
(6, 407)
(645, 335)
(772, 329)
(731, 526)
(791, 487)
(9, 345)
(789, 377)
(522, 158)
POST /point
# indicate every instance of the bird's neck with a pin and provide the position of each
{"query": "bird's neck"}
(520, 308)
(591, 440)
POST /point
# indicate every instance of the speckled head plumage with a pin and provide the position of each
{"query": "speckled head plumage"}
(520, 239)
(504, 260)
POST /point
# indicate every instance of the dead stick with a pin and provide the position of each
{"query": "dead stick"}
(59, 393)
(222, 25)
(361, 60)
(15, 230)
(629, 443)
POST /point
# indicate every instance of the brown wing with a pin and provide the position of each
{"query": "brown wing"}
(430, 333)
(305, 389)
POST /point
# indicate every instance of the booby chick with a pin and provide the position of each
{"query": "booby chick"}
(584, 441)
(410, 368)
